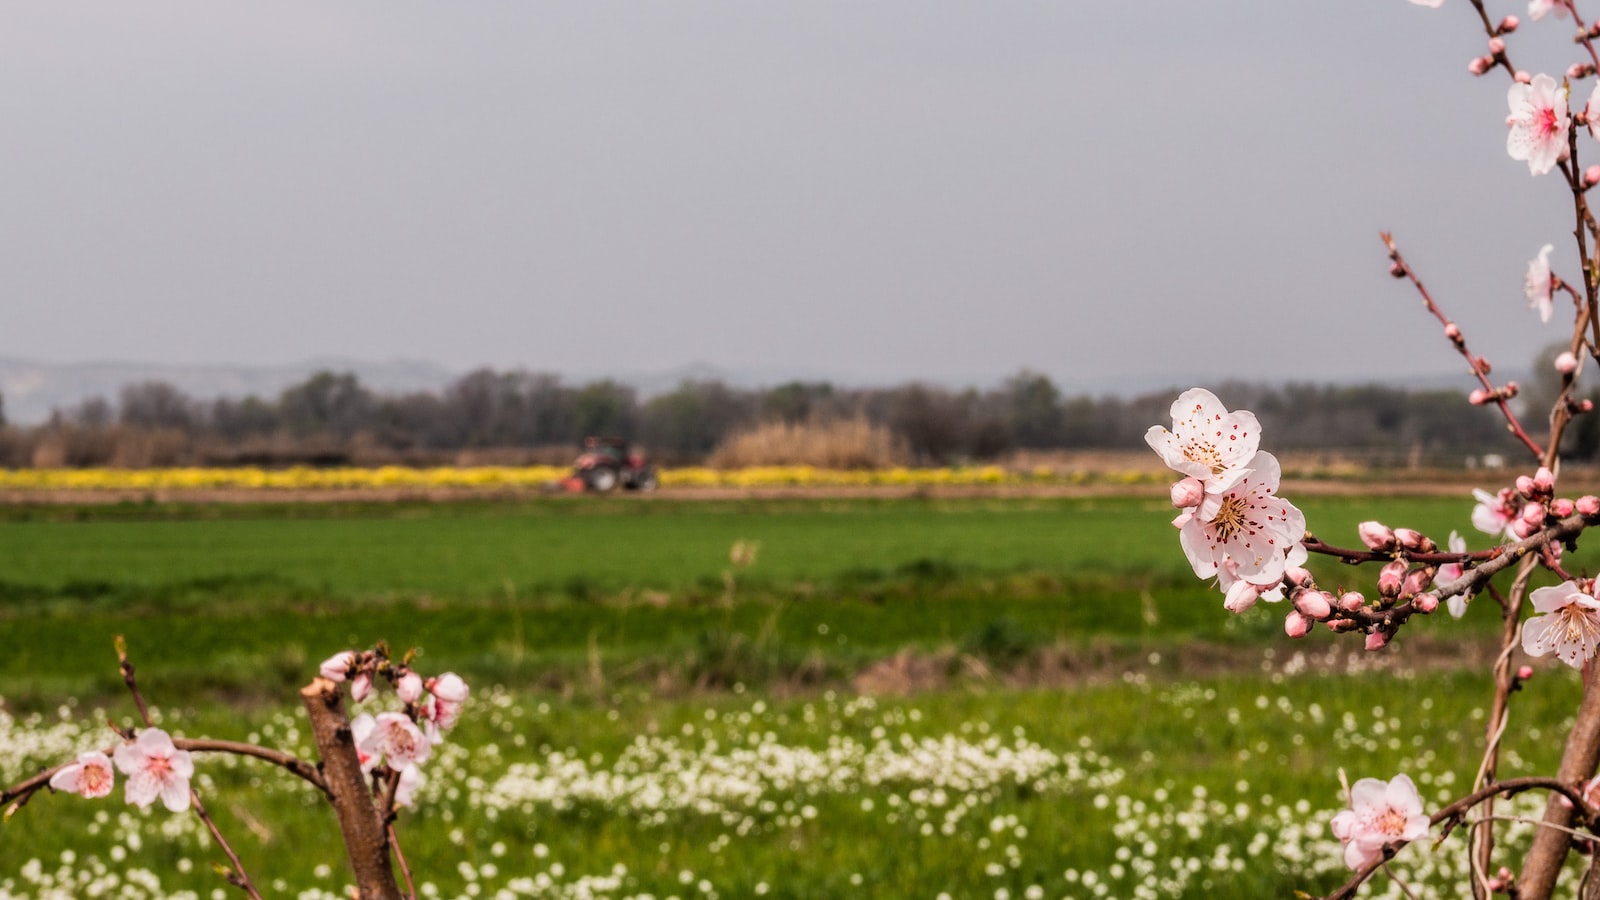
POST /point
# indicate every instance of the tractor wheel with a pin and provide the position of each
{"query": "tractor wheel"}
(646, 480)
(602, 479)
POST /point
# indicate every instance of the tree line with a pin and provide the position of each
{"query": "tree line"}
(519, 416)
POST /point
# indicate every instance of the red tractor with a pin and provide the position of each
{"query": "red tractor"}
(608, 462)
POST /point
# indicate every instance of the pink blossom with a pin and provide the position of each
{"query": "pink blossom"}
(361, 687)
(395, 740)
(1207, 441)
(360, 728)
(338, 666)
(1536, 285)
(1566, 363)
(1538, 9)
(1449, 572)
(1247, 526)
(411, 778)
(155, 768)
(91, 776)
(1380, 815)
(1538, 123)
(1567, 624)
(1591, 111)
(1495, 513)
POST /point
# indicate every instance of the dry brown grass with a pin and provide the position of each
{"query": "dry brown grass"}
(834, 444)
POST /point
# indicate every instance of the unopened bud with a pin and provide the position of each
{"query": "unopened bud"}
(1591, 176)
(1588, 505)
(409, 687)
(1482, 366)
(1576, 70)
(1297, 576)
(1561, 507)
(1409, 538)
(1479, 397)
(1533, 514)
(1525, 486)
(361, 687)
(1522, 528)
(1376, 535)
(1566, 363)
(1426, 603)
(1296, 625)
(1342, 625)
(1376, 640)
(1522, 77)
(1508, 25)
(1397, 270)
(1454, 333)
(1390, 577)
(1496, 46)
(1188, 492)
(1480, 64)
(1241, 597)
(1351, 601)
(1510, 390)
(1585, 405)
(1544, 480)
(1314, 604)
(1417, 580)
(1524, 673)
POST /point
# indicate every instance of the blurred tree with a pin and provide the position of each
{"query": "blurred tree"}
(327, 403)
(155, 404)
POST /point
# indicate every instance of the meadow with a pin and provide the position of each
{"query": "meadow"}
(920, 697)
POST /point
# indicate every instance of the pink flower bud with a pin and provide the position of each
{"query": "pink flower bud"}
(1591, 176)
(1544, 480)
(1522, 528)
(1409, 538)
(1508, 24)
(1316, 605)
(1510, 390)
(1479, 397)
(1241, 597)
(1576, 70)
(1496, 46)
(1585, 405)
(1561, 507)
(1426, 603)
(1588, 505)
(1451, 331)
(1296, 625)
(361, 687)
(1376, 535)
(1390, 576)
(1417, 580)
(1340, 625)
(1188, 492)
(1522, 77)
(1480, 64)
(1533, 514)
(1482, 366)
(1524, 673)
(1376, 640)
(337, 666)
(1566, 363)
(1525, 486)
(1297, 576)
(1351, 601)
(409, 687)
(1397, 270)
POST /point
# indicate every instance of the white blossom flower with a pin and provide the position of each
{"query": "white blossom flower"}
(1537, 284)
(1246, 525)
(91, 776)
(1538, 122)
(1207, 441)
(1568, 624)
(155, 768)
(395, 739)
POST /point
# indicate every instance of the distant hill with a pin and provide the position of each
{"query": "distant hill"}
(32, 389)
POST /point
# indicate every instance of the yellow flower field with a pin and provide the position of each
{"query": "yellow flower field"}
(527, 477)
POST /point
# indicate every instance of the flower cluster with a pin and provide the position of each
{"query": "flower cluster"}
(154, 767)
(397, 743)
(1232, 526)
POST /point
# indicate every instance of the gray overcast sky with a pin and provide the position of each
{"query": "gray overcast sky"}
(871, 190)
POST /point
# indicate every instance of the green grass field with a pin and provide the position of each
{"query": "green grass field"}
(618, 637)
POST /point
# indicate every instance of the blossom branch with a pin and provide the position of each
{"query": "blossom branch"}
(1455, 813)
(1479, 365)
